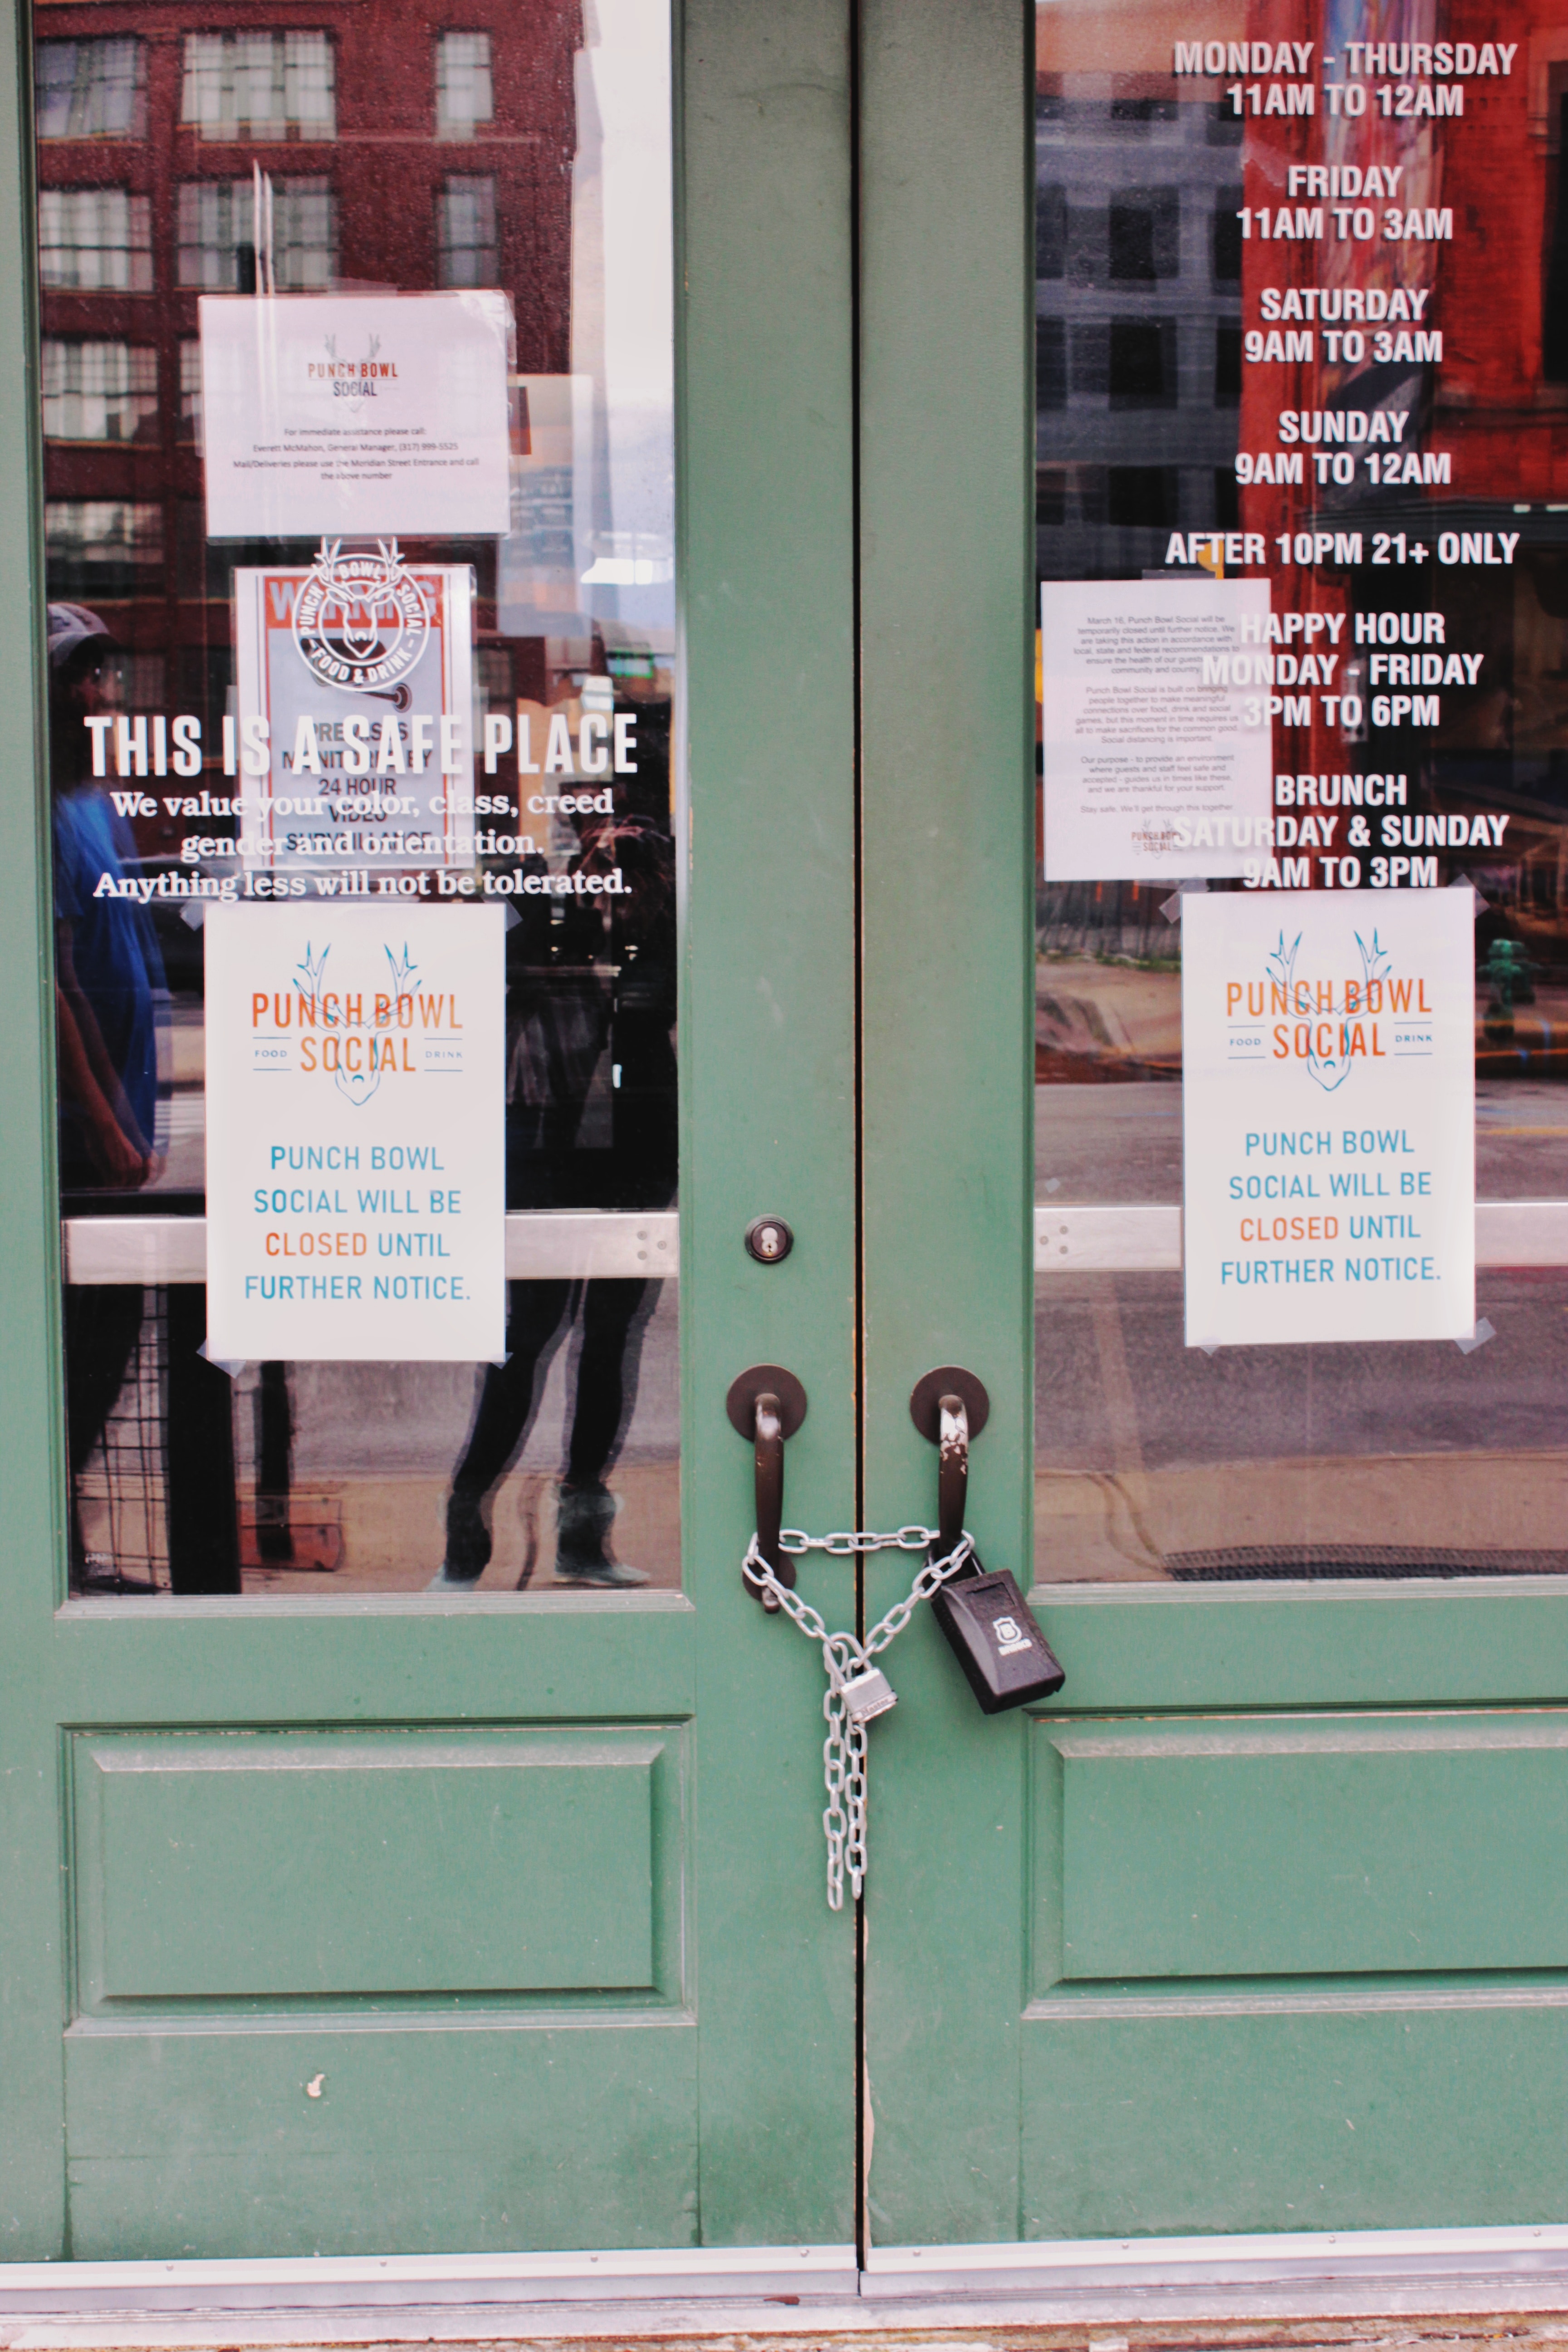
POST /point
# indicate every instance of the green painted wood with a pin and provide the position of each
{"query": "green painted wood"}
(1285, 1846)
(1345, 2114)
(271, 1864)
(766, 491)
(1158, 1647)
(496, 2115)
(482, 2137)
(947, 980)
(473, 1659)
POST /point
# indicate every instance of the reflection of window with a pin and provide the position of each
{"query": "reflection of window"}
(1133, 103)
(1226, 366)
(1050, 363)
(224, 248)
(1226, 249)
(1226, 500)
(1050, 231)
(1554, 317)
(1141, 498)
(260, 85)
(100, 534)
(95, 238)
(92, 90)
(190, 391)
(1050, 496)
(466, 238)
(97, 392)
(463, 93)
(494, 667)
(1090, 358)
(1142, 363)
(1145, 235)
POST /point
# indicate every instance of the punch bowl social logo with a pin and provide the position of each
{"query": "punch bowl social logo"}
(360, 621)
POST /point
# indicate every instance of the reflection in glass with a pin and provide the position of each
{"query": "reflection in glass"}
(1155, 386)
(187, 160)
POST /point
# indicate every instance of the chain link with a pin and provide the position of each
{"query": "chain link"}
(844, 1751)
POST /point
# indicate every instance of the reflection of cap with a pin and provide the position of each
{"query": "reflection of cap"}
(71, 626)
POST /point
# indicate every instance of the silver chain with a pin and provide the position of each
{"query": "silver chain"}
(844, 1755)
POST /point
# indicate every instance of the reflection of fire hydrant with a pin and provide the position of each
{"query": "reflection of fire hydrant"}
(1508, 970)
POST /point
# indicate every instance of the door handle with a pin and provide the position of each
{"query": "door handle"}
(949, 1407)
(767, 1406)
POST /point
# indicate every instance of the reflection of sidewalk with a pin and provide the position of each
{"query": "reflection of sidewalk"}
(393, 1533)
(1124, 1524)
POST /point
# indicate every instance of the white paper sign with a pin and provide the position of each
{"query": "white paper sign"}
(1328, 1063)
(355, 1081)
(360, 671)
(357, 414)
(1156, 762)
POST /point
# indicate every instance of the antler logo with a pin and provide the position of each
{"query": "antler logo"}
(1331, 1033)
(360, 621)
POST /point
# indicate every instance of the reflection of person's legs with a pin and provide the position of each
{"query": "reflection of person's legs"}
(501, 1420)
(103, 1323)
(614, 1317)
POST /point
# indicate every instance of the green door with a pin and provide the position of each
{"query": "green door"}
(410, 1847)
(413, 1828)
(1254, 1928)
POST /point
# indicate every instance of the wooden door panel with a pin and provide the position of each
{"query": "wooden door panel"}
(1280, 1846)
(421, 2135)
(273, 1866)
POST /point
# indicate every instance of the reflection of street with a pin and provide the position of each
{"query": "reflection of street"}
(1147, 1451)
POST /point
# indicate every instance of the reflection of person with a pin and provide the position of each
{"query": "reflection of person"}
(109, 977)
(109, 988)
(578, 999)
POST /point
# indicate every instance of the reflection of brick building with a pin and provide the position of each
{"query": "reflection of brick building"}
(1495, 405)
(256, 148)
(1137, 285)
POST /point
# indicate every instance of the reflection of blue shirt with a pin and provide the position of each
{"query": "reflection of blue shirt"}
(115, 953)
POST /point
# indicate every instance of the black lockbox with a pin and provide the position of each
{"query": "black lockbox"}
(992, 1634)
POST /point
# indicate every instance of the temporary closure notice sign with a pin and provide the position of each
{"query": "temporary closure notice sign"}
(355, 1086)
(1328, 1117)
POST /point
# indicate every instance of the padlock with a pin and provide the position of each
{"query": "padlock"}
(869, 1695)
(992, 1634)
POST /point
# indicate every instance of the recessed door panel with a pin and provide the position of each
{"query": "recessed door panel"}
(269, 1867)
(1296, 1847)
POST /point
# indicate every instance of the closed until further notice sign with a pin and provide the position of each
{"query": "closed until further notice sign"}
(356, 1195)
(1329, 1111)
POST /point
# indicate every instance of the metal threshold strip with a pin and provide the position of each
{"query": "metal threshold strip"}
(542, 1245)
(1146, 1238)
(781, 2289)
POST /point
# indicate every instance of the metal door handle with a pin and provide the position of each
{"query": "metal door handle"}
(767, 1406)
(949, 1407)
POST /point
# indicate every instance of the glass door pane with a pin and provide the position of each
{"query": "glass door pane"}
(1273, 345)
(364, 329)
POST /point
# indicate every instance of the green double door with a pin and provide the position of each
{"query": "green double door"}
(401, 1923)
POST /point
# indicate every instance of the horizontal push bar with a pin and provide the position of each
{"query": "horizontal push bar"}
(1141, 1237)
(542, 1245)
